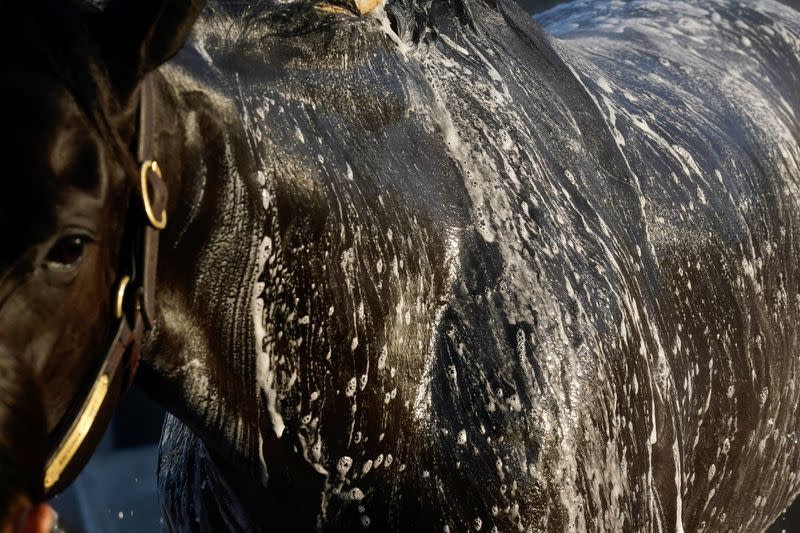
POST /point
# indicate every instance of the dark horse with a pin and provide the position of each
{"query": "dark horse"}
(425, 267)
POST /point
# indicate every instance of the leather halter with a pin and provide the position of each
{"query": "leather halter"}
(76, 437)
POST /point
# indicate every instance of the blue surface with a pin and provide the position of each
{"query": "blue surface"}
(116, 493)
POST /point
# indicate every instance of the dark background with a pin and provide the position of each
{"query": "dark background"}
(116, 493)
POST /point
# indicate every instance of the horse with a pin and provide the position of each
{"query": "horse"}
(421, 265)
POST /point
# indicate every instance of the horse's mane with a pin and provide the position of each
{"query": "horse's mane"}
(240, 24)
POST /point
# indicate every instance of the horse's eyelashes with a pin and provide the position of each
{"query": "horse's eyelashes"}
(67, 252)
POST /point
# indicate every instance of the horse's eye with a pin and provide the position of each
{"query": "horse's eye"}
(67, 252)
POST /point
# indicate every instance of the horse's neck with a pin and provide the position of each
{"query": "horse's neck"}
(201, 360)
(219, 290)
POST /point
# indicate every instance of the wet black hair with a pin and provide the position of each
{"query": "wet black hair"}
(22, 434)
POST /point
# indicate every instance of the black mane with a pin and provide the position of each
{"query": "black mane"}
(240, 25)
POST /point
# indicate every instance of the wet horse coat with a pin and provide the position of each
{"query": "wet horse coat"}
(433, 270)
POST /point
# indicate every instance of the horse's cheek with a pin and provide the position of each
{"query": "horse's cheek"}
(56, 325)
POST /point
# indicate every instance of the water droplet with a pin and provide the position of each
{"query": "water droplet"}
(367, 467)
(343, 466)
(382, 358)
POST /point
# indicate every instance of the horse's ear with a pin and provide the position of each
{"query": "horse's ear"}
(136, 36)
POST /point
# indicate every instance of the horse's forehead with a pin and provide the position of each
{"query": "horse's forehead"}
(47, 147)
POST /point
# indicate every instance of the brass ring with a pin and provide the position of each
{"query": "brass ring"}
(148, 207)
(123, 285)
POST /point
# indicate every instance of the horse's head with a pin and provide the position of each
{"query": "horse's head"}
(70, 180)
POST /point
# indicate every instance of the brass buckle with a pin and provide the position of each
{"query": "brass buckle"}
(157, 223)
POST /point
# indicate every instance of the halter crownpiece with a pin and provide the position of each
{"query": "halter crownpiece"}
(74, 441)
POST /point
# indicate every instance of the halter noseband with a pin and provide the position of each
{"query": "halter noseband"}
(76, 437)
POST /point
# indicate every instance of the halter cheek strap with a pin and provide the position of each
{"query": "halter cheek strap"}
(154, 195)
(134, 299)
